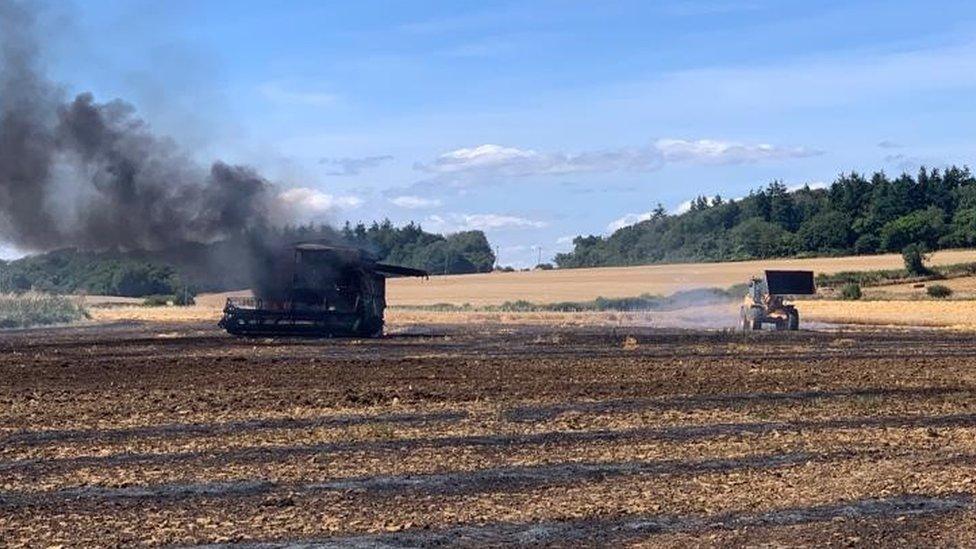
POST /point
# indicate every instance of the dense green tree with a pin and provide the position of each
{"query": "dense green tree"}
(757, 238)
(923, 226)
(825, 232)
(473, 246)
(962, 230)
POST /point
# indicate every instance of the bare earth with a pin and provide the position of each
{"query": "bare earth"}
(174, 433)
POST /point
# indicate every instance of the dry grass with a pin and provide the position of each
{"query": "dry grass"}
(945, 314)
(962, 288)
(956, 315)
(156, 314)
(208, 308)
(712, 316)
(586, 284)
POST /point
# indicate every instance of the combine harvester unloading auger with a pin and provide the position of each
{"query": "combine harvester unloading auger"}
(325, 291)
(765, 302)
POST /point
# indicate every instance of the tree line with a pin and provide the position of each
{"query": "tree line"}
(225, 265)
(856, 214)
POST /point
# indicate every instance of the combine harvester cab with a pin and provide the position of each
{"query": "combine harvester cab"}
(765, 302)
(328, 291)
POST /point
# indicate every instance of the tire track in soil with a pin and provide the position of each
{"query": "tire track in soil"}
(500, 479)
(622, 529)
(520, 414)
(35, 438)
(41, 466)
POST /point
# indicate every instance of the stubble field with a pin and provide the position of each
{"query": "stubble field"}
(169, 433)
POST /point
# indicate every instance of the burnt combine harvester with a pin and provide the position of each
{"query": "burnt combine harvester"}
(765, 301)
(323, 291)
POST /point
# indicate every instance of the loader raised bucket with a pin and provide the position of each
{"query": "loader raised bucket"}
(790, 283)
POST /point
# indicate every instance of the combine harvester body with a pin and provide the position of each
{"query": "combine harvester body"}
(765, 301)
(324, 291)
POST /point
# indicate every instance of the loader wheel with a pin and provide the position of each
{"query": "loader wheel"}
(793, 320)
(371, 327)
(752, 319)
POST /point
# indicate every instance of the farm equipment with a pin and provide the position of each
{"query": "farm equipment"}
(765, 302)
(323, 291)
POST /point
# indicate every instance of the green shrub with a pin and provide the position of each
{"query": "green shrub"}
(938, 291)
(850, 291)
(37, 309)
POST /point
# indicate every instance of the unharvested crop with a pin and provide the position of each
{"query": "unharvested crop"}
(37, 309)
(851, 291)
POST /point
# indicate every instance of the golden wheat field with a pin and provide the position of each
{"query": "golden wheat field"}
(585, 284)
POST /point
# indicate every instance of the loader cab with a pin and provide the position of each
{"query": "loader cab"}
(757, 290)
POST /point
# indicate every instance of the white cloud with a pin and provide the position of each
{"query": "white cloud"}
(8, 252)
(682, 208)
(495, 160)
(627, 220)
(415, 202)
(491, 159)
(354, 166)
(496, 221)
(710, 151)
(277, 93)
(468, 222)
(311, 202)
(565, 240)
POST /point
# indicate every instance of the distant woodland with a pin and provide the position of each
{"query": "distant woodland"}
(856, 214)
(225, 265)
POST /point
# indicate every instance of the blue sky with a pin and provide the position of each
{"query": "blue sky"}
(535, 121)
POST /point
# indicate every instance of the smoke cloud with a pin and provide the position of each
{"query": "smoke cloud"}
(78, 173)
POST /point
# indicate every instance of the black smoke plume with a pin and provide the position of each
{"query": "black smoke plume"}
(78, 173)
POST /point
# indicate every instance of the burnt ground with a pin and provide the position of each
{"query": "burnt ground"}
(482, 435)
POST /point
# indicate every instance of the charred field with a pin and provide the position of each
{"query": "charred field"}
(476, 435)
